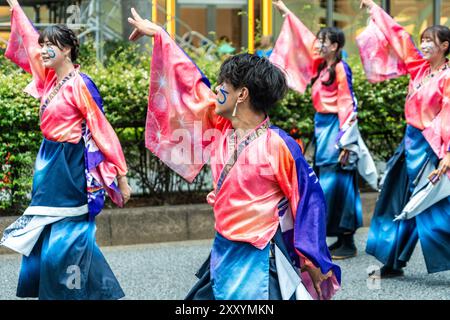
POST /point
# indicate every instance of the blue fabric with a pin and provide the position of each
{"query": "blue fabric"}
(339, 186)
(203, 289)
(59, 179)
(349, 74)
(96, 193)
(311, 212)
(393, 243)
(64, 250)
(344, 205)
(326, 129)
(239, 271)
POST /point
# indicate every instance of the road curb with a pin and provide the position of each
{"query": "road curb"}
(163, 224)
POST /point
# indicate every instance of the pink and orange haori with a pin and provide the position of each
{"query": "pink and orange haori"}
(263, 187)
(410, 207)
(78, 162)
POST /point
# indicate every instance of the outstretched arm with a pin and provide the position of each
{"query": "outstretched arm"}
(397, 36)
(294, 50)
(23, 46)
(284, 10)
(142, 27)
(180, 104)
(12, 3)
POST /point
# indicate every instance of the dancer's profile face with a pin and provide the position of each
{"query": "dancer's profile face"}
(52, 56)
(432, 49)
(226, 99)
(324, 48)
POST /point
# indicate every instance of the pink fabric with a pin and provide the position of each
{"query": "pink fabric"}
(293, 53)
(399, 41)
(427, 103)
(180, 106)
(246, 206)
(24, 50)
(62, 119)
(336, 98)
(379, 60)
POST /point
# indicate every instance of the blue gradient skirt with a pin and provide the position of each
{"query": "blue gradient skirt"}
(238, 271)
(393, 243)
(65, 262)
(344, 209)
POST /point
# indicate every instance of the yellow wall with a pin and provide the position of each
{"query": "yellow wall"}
(414, 15)
(445, 14)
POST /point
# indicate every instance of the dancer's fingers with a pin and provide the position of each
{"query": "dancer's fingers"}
(136, 15)
(318, 289)
(135, 35)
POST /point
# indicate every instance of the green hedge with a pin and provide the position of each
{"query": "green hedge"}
(123, 82)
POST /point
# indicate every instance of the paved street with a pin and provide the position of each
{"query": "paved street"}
(166, 271)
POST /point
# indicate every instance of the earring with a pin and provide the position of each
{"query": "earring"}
(235, 109)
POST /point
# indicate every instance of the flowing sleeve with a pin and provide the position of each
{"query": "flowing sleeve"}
(87, 98)
(446, 114)
(438, 132)
(305, 234)
(399, 39)
(181, 122)
(24, 50)
(346, 100)
(294, 53)
(379, 60)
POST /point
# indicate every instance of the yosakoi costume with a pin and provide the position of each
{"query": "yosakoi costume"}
(268, 205)
(78, 160)
(421, 210)
(335, 125)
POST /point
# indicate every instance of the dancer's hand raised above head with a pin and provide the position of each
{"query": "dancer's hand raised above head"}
(281, 7)
(12, 3)
(143, 27)
(367, 3)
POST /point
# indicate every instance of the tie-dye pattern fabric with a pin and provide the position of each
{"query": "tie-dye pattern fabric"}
(246, 206)
(76, 112)
(427, 105)
(393, 242)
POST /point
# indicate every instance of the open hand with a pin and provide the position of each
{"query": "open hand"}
(317, 278)
(344, 157)
(124, 188)
(444, 166)
(367, 3)
(12, 3)
(143, 27)
(281, 7)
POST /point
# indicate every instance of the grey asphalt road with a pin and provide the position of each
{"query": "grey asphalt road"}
(166, 271)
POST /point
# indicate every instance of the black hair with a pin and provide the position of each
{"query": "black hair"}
(62, 37)
(438, 32)
(265, 82)
(335, 35)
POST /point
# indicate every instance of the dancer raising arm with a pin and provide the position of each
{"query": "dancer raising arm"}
(340, 151)
(268, 205)
(426, 143)
(80, 159)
